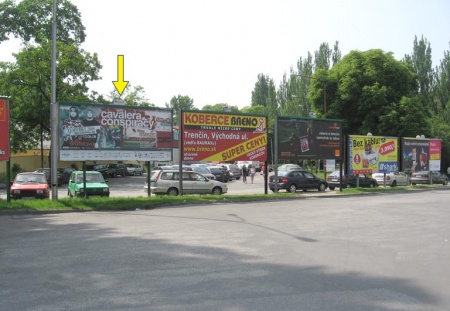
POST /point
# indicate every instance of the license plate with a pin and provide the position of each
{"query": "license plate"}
(334, 179)
(418, 175)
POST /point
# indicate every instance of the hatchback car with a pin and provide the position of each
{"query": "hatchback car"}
(115, 170)
(168, 182)
(234, 170)
(135, 169)
(423, 177)
(65, 173)
(48, 175)
(95, 185)
(392, 179)
(204, 170)
(220, 173)
(291, 181)
(30, 186)
(350, 181)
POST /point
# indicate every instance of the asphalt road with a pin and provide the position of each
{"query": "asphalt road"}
(368, 252)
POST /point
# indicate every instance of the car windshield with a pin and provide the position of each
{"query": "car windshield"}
(91, 178)
(202, 170)
(30, 178)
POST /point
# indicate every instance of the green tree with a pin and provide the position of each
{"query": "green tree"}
(180, 102)
(260, 94)
(442, 88)
(361, 88)
(220, 107)
(31, 20)
(27, 82)
(421, 62)
(132, 95)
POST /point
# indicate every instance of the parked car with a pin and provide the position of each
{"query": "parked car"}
(115, 170)
(95, 184)
(30, 186)
(423, 177)
(291, 181)
(135, 169)
(204, 170)
(101, 168)
(48, 175)
(289, 167)
(349, 181)
(392, 179)
(167, 182)
(234, 170)
(65, 173)
(220, 173)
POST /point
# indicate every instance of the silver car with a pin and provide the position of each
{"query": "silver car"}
(391, 179)
(168, 182)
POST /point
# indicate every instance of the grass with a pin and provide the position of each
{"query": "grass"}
(145, 203)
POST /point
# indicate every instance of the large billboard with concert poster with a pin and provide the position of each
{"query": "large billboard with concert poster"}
(110, 132)
(421, 154)
(4, 129)
(211, 136)
(306, 138)
(373, 154)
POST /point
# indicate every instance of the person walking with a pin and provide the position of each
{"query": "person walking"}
(244, 174)
(252, 173)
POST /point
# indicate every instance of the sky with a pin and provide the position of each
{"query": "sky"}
(213, 50)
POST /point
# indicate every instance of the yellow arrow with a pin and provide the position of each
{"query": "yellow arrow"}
(120, 84)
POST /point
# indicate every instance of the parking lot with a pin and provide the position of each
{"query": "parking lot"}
(133, 186)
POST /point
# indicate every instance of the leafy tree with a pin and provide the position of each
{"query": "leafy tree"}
(132, 95)
(220, 107)
(408, 111)
(361, 88)
(31, 20)
(260, 94)
(180, 102)
(442, 88)
(322, 57)
(258, 109)
(27, 82)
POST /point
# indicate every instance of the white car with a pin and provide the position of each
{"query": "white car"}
(168, 182)
(135, 169)
(392, 179)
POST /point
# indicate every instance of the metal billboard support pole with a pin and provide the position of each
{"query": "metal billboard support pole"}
(275, 134)
(54, 114)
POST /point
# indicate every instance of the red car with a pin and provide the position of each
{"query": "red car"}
(30, 186)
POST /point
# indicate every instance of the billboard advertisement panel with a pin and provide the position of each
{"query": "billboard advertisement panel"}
(110, 132)
(435, 154)
(373, 154)
(421, 154)
(4, 130)
(304, 138)
(214, 136)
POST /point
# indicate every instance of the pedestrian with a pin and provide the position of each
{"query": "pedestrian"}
(448, 172)
(252, 173)
(244, 174)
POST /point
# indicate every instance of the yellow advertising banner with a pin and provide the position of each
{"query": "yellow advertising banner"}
(373, 154)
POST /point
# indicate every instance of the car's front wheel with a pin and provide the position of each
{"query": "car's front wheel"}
(217, 191)
(322, 187)
(172, 191)
(331, 187)
(394, 183)
(292, 188)
(349, 185)
(372, 185)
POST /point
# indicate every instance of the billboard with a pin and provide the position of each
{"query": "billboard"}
(373, 154)
(4, 130)
(421, 154)
(107, 132)
(215, 136)
(304, 138)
